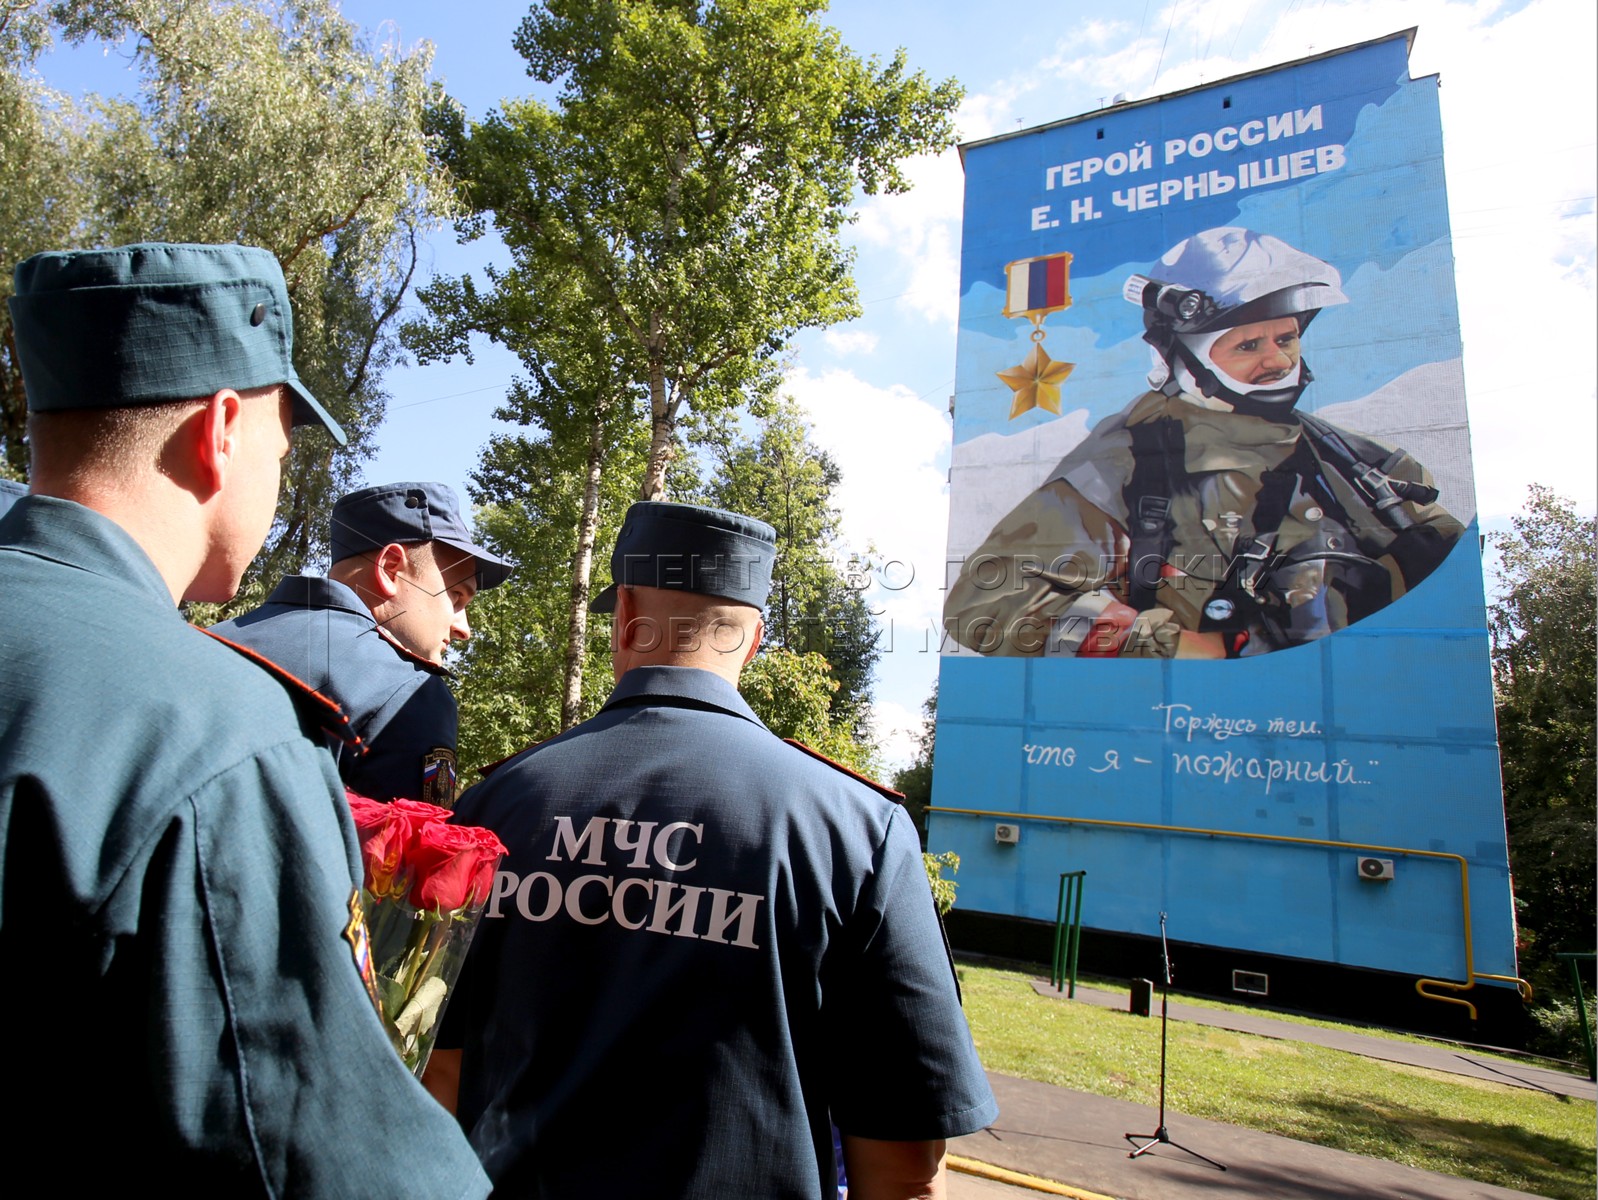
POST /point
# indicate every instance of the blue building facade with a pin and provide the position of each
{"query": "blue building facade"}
(1333, 796)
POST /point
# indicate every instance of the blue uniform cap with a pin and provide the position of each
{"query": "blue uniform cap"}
(692, 549)
(372, 517)
(155, 322)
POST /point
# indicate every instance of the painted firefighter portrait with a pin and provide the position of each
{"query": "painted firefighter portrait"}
(1213, 517)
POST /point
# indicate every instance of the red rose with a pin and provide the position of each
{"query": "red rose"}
(388, 835)
(454, 867)
(417, 814)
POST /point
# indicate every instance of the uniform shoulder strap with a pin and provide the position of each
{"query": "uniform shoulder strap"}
(882, 788)
(316, 709)
(1156, 445)
(485, 771)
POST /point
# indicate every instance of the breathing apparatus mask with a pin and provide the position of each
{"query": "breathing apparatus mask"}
(1219, 280)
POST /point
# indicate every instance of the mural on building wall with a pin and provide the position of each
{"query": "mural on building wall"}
(1211, 517)
(1214, 621)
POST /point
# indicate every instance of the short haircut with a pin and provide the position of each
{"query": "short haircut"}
(69, 443)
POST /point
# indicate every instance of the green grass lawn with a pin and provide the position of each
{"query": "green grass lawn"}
(1512, 1137)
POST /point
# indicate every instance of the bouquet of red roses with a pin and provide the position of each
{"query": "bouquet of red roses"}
(426, 882)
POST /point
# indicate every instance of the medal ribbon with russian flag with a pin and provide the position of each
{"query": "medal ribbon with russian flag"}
(1035, 287)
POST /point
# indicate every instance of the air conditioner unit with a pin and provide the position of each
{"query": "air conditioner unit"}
(1376, 868)
(1007, 835)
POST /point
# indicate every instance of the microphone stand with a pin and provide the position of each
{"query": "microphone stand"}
(1161, 1137)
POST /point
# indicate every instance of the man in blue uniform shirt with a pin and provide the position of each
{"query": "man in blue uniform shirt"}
(374, 633)
(177, 862)
(705, 943)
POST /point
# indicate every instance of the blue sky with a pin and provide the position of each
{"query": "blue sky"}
(1518, 110)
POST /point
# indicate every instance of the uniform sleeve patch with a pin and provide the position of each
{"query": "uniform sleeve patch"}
(439, 777)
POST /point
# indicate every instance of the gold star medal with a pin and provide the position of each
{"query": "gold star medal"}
(1036, 382)
(1034, 288)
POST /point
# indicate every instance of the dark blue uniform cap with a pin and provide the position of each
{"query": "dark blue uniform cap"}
(692, 549)
(155, 322)
(372, 517)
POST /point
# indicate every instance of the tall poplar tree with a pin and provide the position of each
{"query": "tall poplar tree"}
(680, 205)
(513, 678)
(780, 476)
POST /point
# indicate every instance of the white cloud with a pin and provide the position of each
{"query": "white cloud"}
(1523, 265)
(850, 341)
(898, 732)
(892, 450)
(918, 232)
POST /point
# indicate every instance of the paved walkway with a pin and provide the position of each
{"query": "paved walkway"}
(1051, 1140)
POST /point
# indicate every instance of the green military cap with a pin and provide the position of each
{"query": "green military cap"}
(155, 322)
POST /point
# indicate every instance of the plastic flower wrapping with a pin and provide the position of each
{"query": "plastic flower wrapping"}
(426, 883)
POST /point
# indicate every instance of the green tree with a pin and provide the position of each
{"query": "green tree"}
(272, 123)
(792, 694)
(514, 673)
(703, 163)
(697, 173)
(579, 428)
(1543, 641)
(780, 476)
(942, 889)
(672, 221)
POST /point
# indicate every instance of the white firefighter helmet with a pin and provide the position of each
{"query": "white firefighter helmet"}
(1231, 276)
(1219, 279)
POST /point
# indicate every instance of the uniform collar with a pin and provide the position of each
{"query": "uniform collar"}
(69, 533)
(1217, 439)
(314, 591)
(681, 683)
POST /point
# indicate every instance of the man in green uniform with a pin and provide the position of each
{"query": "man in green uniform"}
(177, 865)
(1210, 518)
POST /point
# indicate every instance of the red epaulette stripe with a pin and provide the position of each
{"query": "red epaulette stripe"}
(849, 771)
(333, 717)
(494, 766)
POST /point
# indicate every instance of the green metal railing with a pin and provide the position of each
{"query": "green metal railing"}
(1573, 957)
(1067, 931)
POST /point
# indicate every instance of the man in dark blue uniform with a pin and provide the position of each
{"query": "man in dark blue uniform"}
(704, 942)
(372, 635)
(177, 862)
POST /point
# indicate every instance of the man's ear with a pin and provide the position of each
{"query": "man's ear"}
(387, 564)
(621, 618)
(216, 431)
(754, 639)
